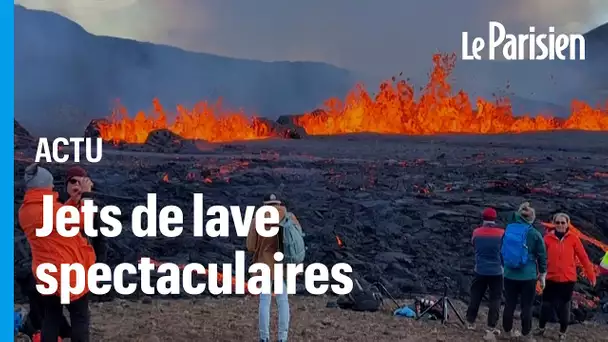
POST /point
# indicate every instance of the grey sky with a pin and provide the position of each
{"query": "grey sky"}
(379, 37)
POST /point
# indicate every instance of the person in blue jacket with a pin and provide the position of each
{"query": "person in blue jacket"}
(487, 241)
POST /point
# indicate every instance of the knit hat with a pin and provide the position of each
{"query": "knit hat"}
(271, 199)
(527, 212)
(76, 171)
(37, 177)
(489, 214)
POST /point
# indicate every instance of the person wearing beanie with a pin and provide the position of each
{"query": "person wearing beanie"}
(74, 177)
(487, 240)
(525, 213)
(36, 178)
(77, 180)
(55, 249)
(263, 249)
(522, 238)
(563, 248)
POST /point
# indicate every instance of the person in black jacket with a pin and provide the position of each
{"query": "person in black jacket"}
(74, 178)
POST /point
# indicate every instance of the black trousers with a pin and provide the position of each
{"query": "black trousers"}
(35, 316)
(479, 286)
(514, 290)
(53, 315)
(556, 296)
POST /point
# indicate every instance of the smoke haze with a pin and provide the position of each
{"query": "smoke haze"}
(378, 38)
(375, 39)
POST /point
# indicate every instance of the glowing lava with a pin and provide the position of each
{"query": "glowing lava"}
(394, 110)
(205, 121)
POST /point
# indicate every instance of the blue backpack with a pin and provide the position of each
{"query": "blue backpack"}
(294, 248)
(514, 245)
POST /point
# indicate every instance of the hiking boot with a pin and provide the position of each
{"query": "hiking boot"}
(514, 334)
(494, 331)
(562, 337)
(539, 332)
(470, 326)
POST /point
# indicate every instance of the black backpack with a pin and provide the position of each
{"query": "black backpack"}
(361, 299)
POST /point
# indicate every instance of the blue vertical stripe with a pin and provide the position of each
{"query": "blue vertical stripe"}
(7, 189)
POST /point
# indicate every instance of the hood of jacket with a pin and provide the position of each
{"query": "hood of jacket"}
(36, 195)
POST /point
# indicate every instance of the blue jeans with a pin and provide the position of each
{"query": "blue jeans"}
(264, 315)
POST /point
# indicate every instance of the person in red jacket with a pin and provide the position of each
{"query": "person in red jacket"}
(563, 248)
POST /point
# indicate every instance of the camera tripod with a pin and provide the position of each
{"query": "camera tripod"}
(445, 302)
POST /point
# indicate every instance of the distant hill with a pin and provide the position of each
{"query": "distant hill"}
(543, 85)
(597, 51)
(598, 36)
(64, 73)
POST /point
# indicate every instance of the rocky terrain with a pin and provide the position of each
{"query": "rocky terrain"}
(403, 207)
(235, 319)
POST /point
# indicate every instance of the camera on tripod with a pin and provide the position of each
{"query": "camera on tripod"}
(428, 306)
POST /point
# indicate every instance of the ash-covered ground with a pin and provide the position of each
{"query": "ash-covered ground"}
(404, 207)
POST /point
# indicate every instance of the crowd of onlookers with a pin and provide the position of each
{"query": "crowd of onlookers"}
(515, 258)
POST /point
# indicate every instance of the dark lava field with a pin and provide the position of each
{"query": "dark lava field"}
(404, 207)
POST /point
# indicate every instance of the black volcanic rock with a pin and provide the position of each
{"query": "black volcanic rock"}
(279, 130)
(22, 138)
(403, 207)
(291, 119)
(165, 141)
(92, 129)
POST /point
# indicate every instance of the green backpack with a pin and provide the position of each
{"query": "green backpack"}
(294, 248)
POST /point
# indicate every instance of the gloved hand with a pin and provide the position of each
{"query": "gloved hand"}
(543, 279)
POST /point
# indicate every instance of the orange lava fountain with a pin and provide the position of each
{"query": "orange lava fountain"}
(394, 110)
(205, 121)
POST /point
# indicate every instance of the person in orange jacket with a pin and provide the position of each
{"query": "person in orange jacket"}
(563, 248)
(33, 323)
(55, 249)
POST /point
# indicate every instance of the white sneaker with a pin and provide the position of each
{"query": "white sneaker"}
(539, 332)
(470, 326)
(489, 336)
(494, 331)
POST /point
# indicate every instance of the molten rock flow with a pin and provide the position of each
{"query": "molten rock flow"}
(394, 110)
